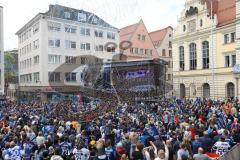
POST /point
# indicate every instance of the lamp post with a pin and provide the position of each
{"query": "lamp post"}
(213, 78)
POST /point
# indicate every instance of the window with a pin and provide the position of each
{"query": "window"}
(201, 23)
(131, 50)
(36, 44)
(170, 44)
(193, 56)
(54, 43)
(227, 61)
(70, 44)
(52, 26)
(233, 37)
(98, 34)
(226, 38)
(110, 49)
(70, 29)
(164, 52)
(36, 59)
(136, 50)
(85, 31)
(143, 37)
(233, 60)
(146, 51)
(141, 51)
(67, 15)
(150, 52)
(82, 17)
(35, 28)
(54, 59)
(99, 48)
(170, 53)
(170, 35)
(36, 77)
(70, 60)
(110, 35)
(192, 26)
(70, 77)
(139, 36)
(205, 54)
(85, 46)
(184, 28)
(54, 76)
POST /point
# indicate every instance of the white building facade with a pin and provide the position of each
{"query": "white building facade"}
(1, 53)
(204, 50)
(58, 37)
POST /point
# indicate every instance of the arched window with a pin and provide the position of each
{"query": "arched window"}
(181, 58)
(205, 54)
(193, 56)
(230, 90)
(201, 23)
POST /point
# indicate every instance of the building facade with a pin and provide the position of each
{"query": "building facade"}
(162, 41)
(59, 36)
(204, 50)
(141, 42)
(1, 53)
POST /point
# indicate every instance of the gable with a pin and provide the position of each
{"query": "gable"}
(147, 44)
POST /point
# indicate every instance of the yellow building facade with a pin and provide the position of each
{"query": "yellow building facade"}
(204, 50)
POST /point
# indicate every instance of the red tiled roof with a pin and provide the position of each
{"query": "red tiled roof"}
(159, 34)
(224, 9)
(127, 31)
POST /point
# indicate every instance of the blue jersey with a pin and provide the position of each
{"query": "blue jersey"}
(66, 148)
(28, 150)
(14, 153)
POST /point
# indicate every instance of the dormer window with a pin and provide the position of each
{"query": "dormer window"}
(82, 17)
(67, 15)
(95, 20)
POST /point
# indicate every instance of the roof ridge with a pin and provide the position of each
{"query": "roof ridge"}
(160, 30)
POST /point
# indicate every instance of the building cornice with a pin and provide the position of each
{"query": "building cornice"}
(30, 23)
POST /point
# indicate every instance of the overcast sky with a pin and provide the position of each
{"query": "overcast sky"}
(156, 14)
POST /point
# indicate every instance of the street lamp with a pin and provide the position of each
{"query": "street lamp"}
(213, 78)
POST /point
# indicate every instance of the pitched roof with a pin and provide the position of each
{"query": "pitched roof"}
(159, 34)
(126, 32)
(224, 9)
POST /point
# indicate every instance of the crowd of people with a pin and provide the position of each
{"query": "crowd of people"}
(165, 129)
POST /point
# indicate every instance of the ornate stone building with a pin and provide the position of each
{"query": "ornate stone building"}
(204, 50)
